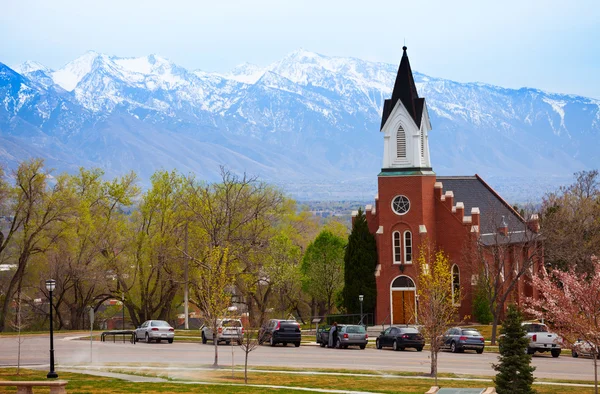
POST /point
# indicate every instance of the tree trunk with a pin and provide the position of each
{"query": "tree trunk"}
(595, 372)
(495, 325)
(434, 364)
(10, 291)
(216, 343)
(246, 368)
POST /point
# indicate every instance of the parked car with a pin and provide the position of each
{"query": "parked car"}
(460, 339)
(322, 335)
(228, 330)
(400, 338)
(156, 330)
(585, 348)
(280, 331)
(347, 335)
(541, 339)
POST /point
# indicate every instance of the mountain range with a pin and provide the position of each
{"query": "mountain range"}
(308, 122)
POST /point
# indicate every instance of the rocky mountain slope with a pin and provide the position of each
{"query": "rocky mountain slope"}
(304, 121)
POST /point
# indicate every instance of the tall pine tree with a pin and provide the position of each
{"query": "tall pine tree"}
(515, 373)
(360, 261)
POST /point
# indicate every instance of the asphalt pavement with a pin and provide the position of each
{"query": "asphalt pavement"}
(70, 351)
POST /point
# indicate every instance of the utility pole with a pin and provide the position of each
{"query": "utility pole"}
(185, 288)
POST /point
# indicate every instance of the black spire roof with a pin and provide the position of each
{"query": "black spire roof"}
(406, 91)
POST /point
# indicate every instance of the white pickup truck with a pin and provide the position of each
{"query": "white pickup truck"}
(541, 340)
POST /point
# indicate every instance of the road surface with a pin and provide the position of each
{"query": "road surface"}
(69, 351)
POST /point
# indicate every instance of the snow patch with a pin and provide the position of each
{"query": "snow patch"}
(72, 73)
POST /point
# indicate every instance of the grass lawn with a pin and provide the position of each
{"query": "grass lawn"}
(81, 383)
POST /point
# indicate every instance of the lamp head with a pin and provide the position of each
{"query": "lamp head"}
(50, 284)
(361, 298)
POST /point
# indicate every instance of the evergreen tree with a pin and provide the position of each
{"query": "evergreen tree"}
(360, 261)
(515, 373)
(482, 312)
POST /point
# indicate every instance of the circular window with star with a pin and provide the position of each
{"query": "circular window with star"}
(400, 205)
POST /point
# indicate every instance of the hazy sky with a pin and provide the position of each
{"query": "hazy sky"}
(551, 45)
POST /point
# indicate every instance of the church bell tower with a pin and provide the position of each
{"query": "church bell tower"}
(405, 206)
(405, 125)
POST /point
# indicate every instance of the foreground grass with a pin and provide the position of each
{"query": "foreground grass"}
(408, 383)
(86, 384)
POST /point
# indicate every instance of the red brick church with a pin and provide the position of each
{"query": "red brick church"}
(414, 204)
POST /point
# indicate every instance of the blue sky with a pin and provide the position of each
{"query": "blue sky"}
(551, 45)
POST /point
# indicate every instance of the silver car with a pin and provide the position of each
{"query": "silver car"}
(156, 330)
(352, 335)
(228, 330)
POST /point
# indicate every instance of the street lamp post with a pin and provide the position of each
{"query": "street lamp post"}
(50, 286)
(361, 298)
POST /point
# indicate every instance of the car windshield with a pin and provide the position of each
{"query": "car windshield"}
(232, 323)
(355, 330)
(160, 323)
(536, 328)
(472, 333)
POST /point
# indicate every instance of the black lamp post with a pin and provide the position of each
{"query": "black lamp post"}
(50, 286)
(361, 298)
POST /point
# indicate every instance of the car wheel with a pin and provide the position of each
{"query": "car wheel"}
(297, 344)
(204, 340)
(555, 352)
(272, 342)
(479, 351)
(147, 338)
(419, 349)
(158, 340)
(530, 351)
(378, 344)
(574, 354)
(363, 346)
(395, 346)
(285, 344)
(171, 340)
(453, 348)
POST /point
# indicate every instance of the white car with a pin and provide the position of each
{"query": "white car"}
(228, 330)
(584, 348)
(156, 330)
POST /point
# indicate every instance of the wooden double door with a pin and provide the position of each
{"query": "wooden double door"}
(403, 307)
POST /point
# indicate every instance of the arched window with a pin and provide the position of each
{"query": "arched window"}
(397, 252)
(407, 247)
(455, 284)
(422, 144)
(401, 143)
(403, 282)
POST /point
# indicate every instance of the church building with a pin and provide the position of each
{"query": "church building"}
(414, 205)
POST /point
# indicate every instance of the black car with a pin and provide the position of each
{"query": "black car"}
(281, 331)
(460, 339)
(400, 338)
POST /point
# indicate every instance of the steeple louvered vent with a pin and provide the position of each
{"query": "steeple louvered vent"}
(401, 143)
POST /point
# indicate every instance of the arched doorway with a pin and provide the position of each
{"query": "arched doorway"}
(403, 300)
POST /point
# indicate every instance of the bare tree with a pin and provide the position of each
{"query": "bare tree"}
(505, 261)
(250, 341)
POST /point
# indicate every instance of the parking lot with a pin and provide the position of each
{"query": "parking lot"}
(71, 351)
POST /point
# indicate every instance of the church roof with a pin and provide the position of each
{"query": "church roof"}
(405, 90)
(474, 192)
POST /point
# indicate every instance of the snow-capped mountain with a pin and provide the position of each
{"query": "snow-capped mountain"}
(305, 119)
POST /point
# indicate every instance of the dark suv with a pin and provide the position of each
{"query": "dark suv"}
(281, 331)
